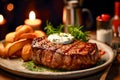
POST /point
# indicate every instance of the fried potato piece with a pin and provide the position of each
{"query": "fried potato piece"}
(18, 53)
(10, 37)
(24, 29)
(6, 49)
(27, 52)
(12, 48)
(2, 50)
(6, 43)
(26, 36)
(18, 28)
(39, 33)
(21, 30)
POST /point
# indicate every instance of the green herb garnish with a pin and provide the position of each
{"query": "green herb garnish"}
(30, 65)
(50, 29)
(101, 61)
(78, 33)
(75, 31)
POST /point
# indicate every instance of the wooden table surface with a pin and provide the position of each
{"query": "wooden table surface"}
(113, 74)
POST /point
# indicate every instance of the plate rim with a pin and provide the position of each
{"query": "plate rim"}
(56, 75)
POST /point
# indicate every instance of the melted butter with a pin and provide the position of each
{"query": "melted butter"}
(61, 38)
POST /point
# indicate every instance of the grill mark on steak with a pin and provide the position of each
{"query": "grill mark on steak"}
(96, 51)
(56, 60)
(43, 58)
(47, 57)
(87, 49)
(88, 59)
(91, 46)
(75, 64)
(37, 56)
(76, 48)
(67, 59)
(93, 52)
(65, 48)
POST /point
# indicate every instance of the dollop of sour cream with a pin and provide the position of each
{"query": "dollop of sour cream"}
(61, 38)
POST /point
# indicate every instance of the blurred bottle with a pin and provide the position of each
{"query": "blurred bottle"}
(116, 26)
(116, 19)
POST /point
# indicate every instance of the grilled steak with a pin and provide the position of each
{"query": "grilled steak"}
(77, 55)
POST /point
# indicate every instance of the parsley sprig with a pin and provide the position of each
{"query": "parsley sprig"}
(78, 33)
(50, 29)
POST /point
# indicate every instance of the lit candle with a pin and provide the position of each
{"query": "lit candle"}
(3, 28)
(2, 20)
(32, 21)
(64, 16)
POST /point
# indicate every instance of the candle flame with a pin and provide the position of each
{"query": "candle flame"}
(64, 15)
(32, 15)
(1, 18)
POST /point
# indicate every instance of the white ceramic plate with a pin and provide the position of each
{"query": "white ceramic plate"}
(15, 66)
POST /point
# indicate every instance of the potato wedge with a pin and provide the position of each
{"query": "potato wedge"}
(10, 37)
(18, 53)
(18, 28)
(2, 50)
(39, 33)
(24, 29)
(21, 30)
(12, 48)
(6, 49)
(26, 52)
(26, 36)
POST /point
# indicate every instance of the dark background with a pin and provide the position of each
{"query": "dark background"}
(49, 10)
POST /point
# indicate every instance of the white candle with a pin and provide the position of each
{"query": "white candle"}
(2, 20)
(32, 21)
(3, 27)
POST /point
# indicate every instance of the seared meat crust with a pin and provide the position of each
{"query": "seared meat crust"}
(77, 55)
